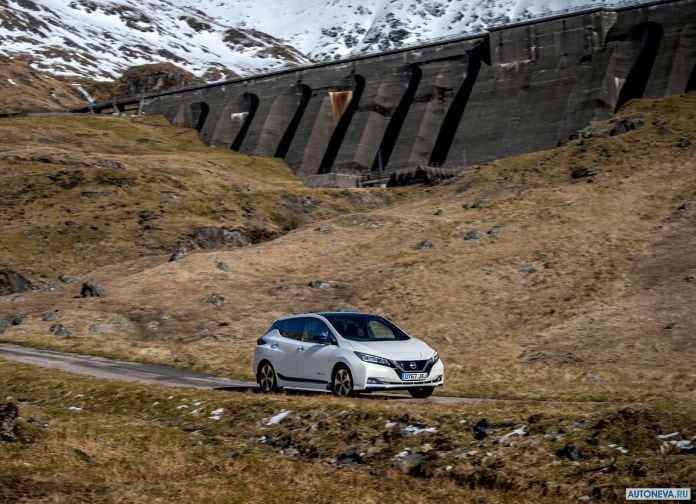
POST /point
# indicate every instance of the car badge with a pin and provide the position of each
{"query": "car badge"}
(413, 365)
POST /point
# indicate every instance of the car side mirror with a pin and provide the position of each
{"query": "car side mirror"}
(322, 339)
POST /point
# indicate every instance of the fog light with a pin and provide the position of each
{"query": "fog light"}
(439, 378)
(373, 381)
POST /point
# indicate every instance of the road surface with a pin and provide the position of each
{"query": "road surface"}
(101, 367)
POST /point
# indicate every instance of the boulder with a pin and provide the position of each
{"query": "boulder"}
(152, 78)
(215, 237)
(578, 173)
(67, 179)
(495, 230)
(683, 142)
(570, 452)
(480, 429)
(410, 464)
(15, 319)
(178, 254)
(222, 266)
(319, 284)
(12, 283)
(96, 328)
(626, 124)
(324, 228)
(91, 289)
(425, 244)
(8, 421)
(215, 299)
(59, 330)
(109, 163)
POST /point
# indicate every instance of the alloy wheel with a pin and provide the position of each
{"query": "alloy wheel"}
(343, 383)
(267, 379)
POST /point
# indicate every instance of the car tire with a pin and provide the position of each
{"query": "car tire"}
(266, 378)
(342, 382)
(421, 392)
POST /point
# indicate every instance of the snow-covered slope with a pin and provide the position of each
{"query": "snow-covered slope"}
(217, 38)
(97, 39)
(326, 29)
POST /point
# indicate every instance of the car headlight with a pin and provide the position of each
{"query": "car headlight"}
(374, 359)
(434, 358)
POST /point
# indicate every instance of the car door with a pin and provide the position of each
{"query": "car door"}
(314, 360)
(289, 345)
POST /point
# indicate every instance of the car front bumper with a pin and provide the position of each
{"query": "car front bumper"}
(374, 378)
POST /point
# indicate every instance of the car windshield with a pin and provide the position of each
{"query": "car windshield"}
(360, 327)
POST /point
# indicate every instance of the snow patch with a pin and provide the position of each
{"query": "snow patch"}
(618, 448)
(667, 436)
(402, 454)
(521, 431)
(216, 414)
(276, 419)
(412, 430)
(682, 444)
(202, 35)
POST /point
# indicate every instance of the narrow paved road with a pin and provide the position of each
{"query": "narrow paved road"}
(118, 370)
(101, 367)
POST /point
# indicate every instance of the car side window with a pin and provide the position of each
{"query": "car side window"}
(314, 327)
(294, 328)
(278, 324)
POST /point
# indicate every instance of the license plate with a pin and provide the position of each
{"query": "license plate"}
(414, 376)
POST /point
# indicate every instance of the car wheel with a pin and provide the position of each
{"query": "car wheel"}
(267, 378)
(342, 383)
(421, 392)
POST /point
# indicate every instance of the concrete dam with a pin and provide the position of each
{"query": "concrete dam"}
(431, 110)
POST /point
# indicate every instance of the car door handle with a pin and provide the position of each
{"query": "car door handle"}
(301, 349)
(274, 345)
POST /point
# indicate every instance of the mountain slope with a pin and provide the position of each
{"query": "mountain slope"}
(566, 273)
(218, 39)
(98, 39)
(325, 29)
(22, 88)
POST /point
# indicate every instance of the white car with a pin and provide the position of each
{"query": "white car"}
(345, 353)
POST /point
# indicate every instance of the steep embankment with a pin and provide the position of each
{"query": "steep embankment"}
(81, 192)
(23, 89)
(558, 274)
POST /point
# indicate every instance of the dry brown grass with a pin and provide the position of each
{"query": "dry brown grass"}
(31, 91)
(137, 443)
(608, 313)
(94, 218)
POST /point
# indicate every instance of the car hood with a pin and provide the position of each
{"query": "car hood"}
(411, 349)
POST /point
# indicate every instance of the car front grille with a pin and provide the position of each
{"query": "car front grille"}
(421, 365)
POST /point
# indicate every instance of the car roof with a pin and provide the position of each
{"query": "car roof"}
(320, 314)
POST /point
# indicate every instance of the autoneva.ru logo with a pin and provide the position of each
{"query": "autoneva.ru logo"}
(642, 494)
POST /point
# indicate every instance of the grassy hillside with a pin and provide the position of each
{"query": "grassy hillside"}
(81, 192)
(89, 440)
(566, 275)
(559, 274)
(23, 89)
